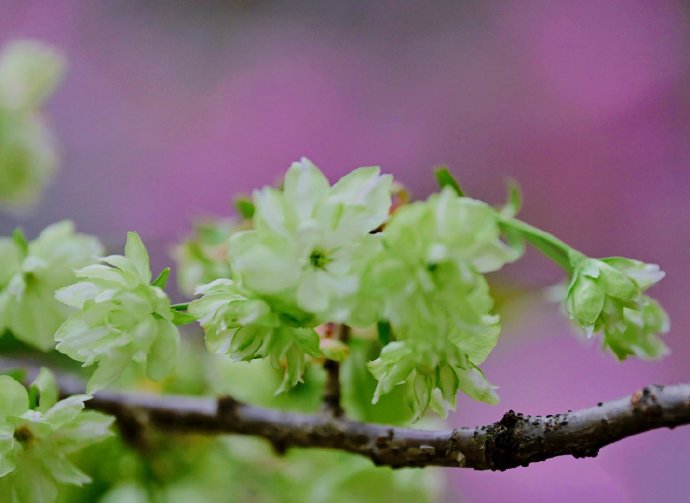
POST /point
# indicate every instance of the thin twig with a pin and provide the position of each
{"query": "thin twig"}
(331, 391)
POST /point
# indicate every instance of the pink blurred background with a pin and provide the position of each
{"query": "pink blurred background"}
(171, 108)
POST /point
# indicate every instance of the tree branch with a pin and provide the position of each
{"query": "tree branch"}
(515, 440)
(331, 392)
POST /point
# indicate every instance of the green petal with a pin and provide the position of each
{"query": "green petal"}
(7, 465)
(304, 188)
(77, 294)
(47, 389)
(473, 383)
(266, 263)
(29, 72)
(311, 296)
(271, 212)
(87, 428)
(365, 197)
(32, 483)
(62, 470)
(645, 275)
(109, 369)
(585, 301)
(14, 400)
(10, 258)
(28, 326)
(162, 356)
(136, 252)
(618, 284)
(65, 410)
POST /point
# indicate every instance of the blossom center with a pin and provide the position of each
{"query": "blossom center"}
(319, 259)
(23, 435)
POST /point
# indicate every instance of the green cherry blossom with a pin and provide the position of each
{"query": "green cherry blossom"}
(429, 278)
(446, 227)
(32, 272)
(120, 317)
(308, 238)
(608, 295)
(36, 439)
(29, 72)
(245, 327)
(202, 257)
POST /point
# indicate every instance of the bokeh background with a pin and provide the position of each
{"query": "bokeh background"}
(171, 108)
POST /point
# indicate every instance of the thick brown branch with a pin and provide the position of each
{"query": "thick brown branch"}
(515, 440)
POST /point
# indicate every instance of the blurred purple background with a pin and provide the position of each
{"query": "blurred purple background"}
(171, 108)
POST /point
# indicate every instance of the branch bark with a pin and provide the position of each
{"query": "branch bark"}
(331, 393)
(515, 440)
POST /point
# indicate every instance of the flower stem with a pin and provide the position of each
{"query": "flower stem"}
(331, 393)
(549, 245)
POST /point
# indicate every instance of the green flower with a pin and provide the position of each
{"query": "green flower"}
(29, 71)
(30, 274)
(202, 257)
(445, 330)
(431, 379)
(35, 439)
(608, 295)
(121, 317)
(448, 228)
(428, 276)
(245, 327)
(310, 244)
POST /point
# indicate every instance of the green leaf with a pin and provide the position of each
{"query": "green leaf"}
(162, 279)
(514, 202)
(45, 389)
(245, 207)
(446, 179)
(384, 331)
(20, 240)
(33, 397)
(182, 317)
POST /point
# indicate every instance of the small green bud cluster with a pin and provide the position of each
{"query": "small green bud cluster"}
(608, 295)
(203, 256)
